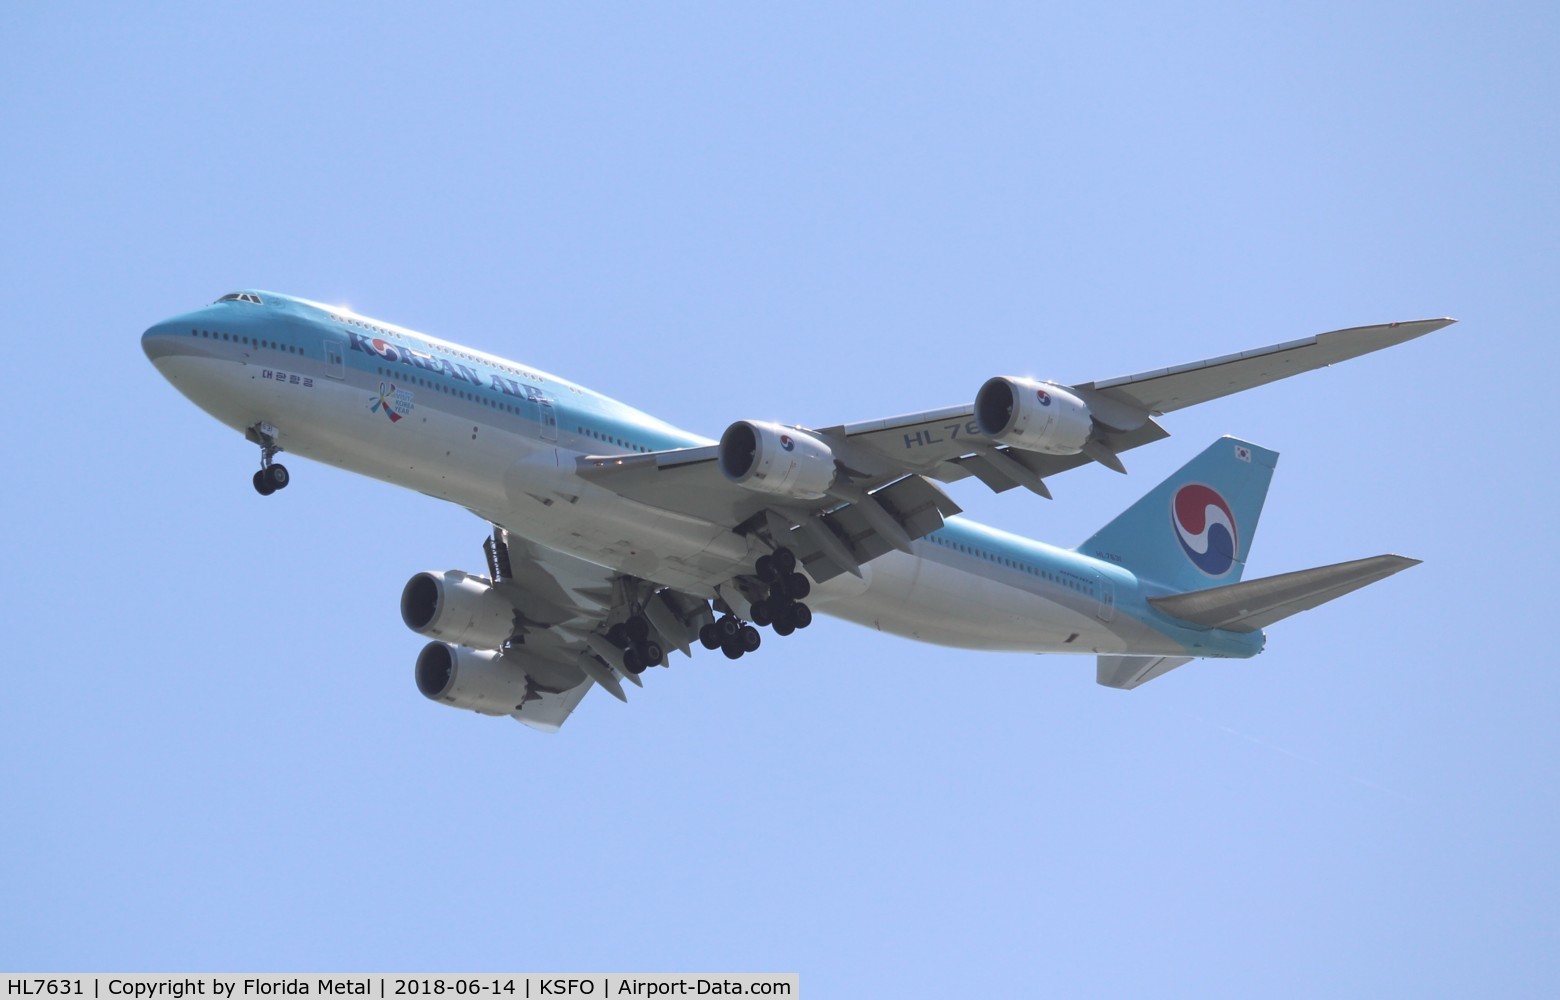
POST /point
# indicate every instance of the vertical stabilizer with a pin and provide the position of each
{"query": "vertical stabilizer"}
(1193, 530)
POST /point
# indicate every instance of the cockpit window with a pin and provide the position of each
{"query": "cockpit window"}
(241, 297)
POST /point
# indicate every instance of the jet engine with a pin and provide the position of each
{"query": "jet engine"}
(481, 680)
(1033, 416)
(781, 461)
(458, 608)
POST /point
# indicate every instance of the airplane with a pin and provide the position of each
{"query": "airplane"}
(617, 538)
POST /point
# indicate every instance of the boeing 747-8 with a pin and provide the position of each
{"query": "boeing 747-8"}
(617, 539)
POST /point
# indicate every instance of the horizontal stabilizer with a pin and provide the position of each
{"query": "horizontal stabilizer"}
(1255, 604)
(1127, 672)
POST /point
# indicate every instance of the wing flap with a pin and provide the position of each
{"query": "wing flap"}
(547, 711)
(566, 604)
(1255, 604)
(917, 505)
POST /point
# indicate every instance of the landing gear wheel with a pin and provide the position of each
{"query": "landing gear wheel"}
(651, 653)
(727, 627)
(761, 613)
(632, 661)
(785, 561)
(277, 476)
(638, 628)
(765, 568)
(749, 638)
(618, 635)
(801, 616)
(784, 626)
(732, 648)
(709, 636)
(271, 476)
(797, 586)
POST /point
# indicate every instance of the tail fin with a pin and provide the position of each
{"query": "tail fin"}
(1193, 530)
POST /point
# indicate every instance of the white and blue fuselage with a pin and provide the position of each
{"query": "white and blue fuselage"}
(501, 439)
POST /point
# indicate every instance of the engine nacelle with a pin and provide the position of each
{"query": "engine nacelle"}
(1034, 416)
(479, 679)
(458, 608)
(781, 461)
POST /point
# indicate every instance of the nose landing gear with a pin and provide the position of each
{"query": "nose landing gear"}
(272, 475)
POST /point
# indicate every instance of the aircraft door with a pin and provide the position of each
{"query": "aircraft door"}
(335, 365)
(546, 416)
(549, 420)
(1107, 597)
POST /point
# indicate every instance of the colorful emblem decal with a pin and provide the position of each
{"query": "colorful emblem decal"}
(786, 442)
(1205, 527)
(395, 403)
(385, 349)
(1043, 396)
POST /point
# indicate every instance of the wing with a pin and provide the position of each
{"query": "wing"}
(1169, 389)
(884, 497)
(566, 609)
(946, 444)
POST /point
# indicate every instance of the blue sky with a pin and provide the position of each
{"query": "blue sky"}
(212, 754)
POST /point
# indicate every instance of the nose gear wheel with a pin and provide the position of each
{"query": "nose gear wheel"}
(273, 475)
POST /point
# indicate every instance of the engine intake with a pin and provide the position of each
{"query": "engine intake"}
(458, 608)
(1034, 416)
(780, 461)
(478, 679)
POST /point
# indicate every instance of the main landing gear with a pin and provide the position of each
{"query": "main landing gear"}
(272, 475)
(782, 609)
(633, 638)
(731, 635)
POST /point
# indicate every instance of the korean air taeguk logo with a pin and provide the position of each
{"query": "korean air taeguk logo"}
(1205, 527)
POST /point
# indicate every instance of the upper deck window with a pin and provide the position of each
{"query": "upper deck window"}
(241, 297)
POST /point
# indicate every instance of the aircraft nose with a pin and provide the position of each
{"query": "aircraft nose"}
(162, 340)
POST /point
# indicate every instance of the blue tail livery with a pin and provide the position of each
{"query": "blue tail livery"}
(1193, 530)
